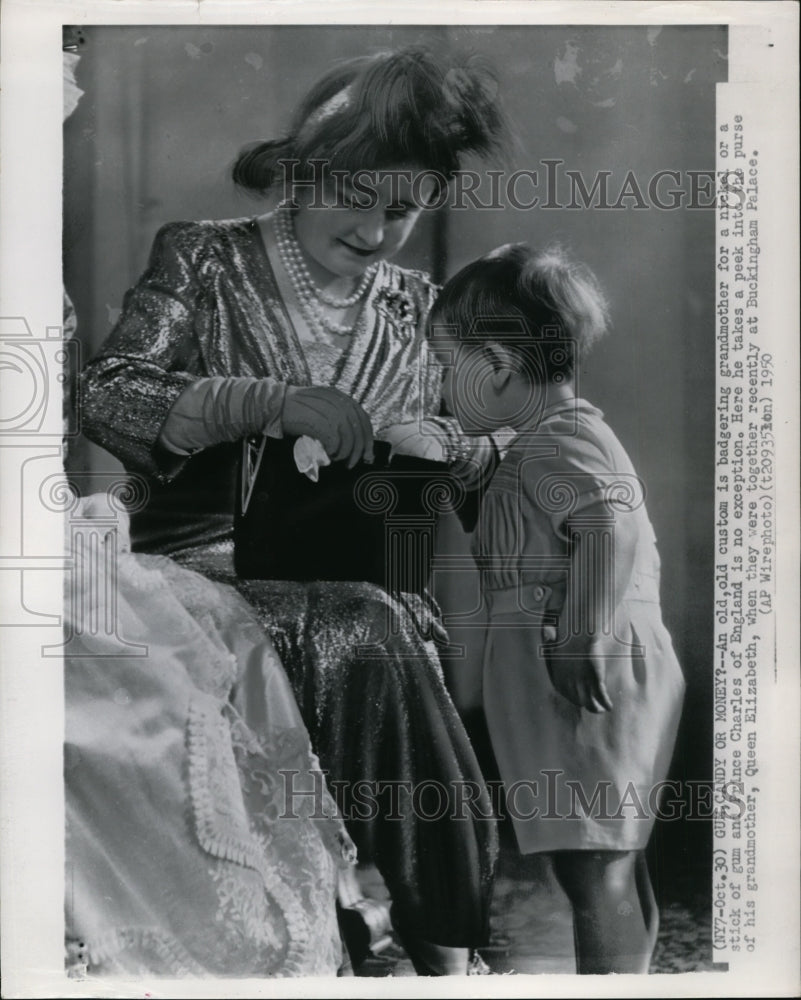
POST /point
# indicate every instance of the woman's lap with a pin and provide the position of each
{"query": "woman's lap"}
(397, 758)
(367, 678)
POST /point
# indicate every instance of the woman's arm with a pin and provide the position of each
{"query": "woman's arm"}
(214, 410)
(149, 400)
(149, 359)
(435, 433)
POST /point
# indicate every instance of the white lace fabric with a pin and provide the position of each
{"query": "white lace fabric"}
(188, 852)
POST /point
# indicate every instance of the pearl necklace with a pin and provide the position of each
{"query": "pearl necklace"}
(309, 294)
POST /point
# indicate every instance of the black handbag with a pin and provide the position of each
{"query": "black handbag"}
(372, 523)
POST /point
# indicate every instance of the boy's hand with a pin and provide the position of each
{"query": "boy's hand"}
(578, 672)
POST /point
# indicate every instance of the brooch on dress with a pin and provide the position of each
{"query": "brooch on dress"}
(398, 308)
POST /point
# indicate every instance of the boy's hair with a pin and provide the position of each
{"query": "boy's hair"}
(537, 303)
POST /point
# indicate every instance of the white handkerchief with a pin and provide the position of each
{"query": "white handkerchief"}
(310, 456)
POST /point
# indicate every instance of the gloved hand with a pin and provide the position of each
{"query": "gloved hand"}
(419, 438)
(439, 439)
(217, 409)
(338, 422)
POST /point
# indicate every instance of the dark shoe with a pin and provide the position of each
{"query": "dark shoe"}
(365, 926)
(431, 959)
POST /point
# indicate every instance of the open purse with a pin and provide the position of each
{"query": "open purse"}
(373, 523)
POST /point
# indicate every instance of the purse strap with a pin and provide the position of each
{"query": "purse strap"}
(251, 459)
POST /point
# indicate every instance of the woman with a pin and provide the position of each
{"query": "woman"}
(184, 853)
(295, 324)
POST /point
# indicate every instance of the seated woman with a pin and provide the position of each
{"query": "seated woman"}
(294, 323)
(185, 855)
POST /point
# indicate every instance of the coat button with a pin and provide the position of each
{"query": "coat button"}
(539, 593)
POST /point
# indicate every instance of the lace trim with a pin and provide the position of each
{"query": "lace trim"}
(176, 960)
(211, 607)
(289, 749)
(222, 828)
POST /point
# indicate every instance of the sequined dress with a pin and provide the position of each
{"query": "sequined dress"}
(382, 724)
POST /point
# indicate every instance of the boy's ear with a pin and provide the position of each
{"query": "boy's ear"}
(504, 362)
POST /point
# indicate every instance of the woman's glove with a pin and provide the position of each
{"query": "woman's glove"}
(217, 409)
(331, 417)
(419, 438)
(440, 440)
(213, 410)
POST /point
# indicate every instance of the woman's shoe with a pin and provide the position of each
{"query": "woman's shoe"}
(437, 960)
(365, 927)
(431, 959)
(364, 923)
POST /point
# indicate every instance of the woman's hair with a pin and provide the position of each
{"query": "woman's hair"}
(375, 112)
(539, 304)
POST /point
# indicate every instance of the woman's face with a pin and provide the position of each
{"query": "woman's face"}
(348, 224)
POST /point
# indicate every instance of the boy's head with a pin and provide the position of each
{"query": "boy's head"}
(509, 324)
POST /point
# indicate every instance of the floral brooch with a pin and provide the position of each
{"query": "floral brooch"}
(398, 308)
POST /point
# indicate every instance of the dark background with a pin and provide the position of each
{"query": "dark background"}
(167, 108)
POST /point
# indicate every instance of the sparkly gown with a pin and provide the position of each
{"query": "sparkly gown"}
(396, 754)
